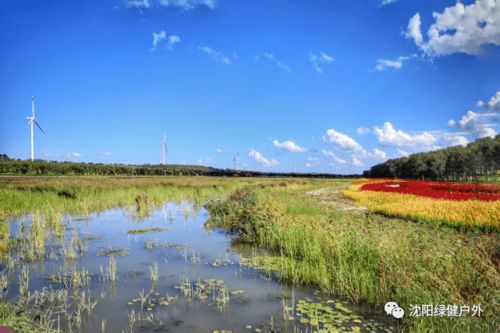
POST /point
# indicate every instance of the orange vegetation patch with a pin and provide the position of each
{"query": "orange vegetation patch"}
(467, 214)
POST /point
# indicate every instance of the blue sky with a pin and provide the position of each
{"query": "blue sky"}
(316, 86)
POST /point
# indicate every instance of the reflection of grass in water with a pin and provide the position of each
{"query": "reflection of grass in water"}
(145, 231)
(153, 274)
(109, 273)
(24, 281)
(112, 252)
(90, 194)
(72, 278)
(70, 250)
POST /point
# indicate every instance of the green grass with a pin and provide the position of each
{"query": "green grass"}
(369, 258)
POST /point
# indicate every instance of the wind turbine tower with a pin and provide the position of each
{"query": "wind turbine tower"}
(164, 149)
(31, 121)
(236, 161)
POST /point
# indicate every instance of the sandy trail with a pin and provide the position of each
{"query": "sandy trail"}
(333, 196)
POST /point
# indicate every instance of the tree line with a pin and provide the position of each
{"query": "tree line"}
(478, 161)
(10, 166)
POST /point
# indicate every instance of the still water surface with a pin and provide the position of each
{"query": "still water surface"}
(201, 285)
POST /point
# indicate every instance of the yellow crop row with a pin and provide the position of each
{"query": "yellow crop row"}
(471, 213)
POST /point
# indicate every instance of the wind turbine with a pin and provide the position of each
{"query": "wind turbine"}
(164, 149)
(236, 161)
(31, 121)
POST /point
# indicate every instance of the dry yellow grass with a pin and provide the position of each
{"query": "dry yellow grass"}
(471, 213)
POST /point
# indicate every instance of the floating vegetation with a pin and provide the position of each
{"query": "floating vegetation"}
(156, 243)
(81, 218)
(195, 258)
(91, 237)
(329, 315)
(151, 300)
(211, 291)
(145, 231)
(221, 262)
(76, 279)
(112, 252)
(266, 263)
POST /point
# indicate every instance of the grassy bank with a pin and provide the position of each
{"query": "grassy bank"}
(48, 198)
(369, 258)
(53, 196)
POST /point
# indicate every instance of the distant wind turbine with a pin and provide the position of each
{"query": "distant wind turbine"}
(164, 149)
(31, 121)
(236, 161)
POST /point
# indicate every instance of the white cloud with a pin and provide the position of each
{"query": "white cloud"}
(475, 123)
(141, 4)
(313, 162)
(289, 145)
(383, 64)
(493, 105)
(356, 162)
(402, 152)
(344, 142)
(380, 154)
(74, 154)
(387, 2)
(188, 4)
(389, 136)
(459, 29)
(215, 55)
(318, 59)
(157, 38)
(455, 139)
(106, 153)
(362, 130)
(271, 58)
(414, 31)
(219, 151)
(334, 157)
(481, 124)
(172, 40)
(264, 161)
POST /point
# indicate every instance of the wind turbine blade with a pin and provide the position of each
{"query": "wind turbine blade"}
(36, 123)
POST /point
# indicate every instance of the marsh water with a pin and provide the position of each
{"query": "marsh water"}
(163, 271)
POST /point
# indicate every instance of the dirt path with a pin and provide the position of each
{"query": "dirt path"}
(332, 196)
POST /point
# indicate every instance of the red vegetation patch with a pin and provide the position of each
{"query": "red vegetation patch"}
(449, 191)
